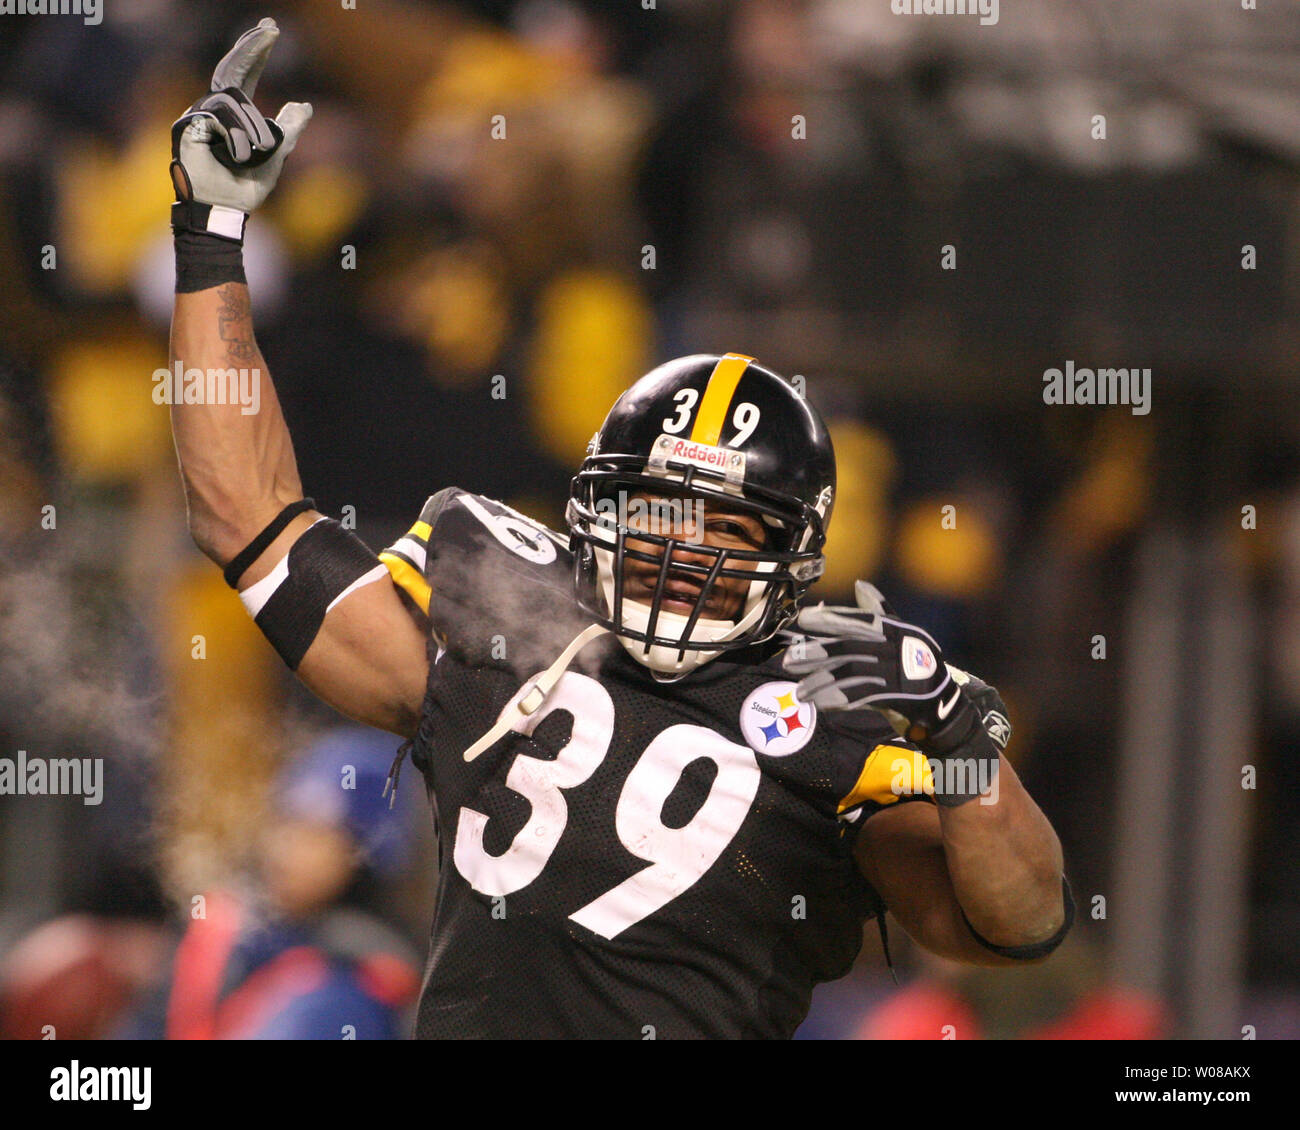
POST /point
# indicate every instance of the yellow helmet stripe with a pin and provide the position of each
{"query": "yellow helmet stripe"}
(717, 398)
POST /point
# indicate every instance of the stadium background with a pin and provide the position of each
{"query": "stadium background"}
(650, 199)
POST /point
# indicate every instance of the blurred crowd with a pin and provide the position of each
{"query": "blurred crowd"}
(502, 213)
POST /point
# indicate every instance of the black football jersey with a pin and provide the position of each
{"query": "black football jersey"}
(633, 859)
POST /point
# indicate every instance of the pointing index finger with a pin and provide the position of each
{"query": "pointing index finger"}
(244, 62)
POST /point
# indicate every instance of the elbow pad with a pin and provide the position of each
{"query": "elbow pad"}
(291, 602)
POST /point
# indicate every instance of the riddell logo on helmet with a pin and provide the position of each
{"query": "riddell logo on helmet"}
(723, 460)
(699, 453)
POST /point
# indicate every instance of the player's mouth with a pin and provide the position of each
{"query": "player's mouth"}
(679, 596)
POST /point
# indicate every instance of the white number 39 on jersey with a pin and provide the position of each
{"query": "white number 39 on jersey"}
(678, 857)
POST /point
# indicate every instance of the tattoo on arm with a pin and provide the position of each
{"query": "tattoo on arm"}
(235, 322)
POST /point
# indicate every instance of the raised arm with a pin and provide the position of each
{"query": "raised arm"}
(238, 467)
(358, 648)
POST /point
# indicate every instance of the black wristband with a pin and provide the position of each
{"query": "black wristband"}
(1034, 949)
(204, 261)
(254, 549)
(957, 732)
(963, 758)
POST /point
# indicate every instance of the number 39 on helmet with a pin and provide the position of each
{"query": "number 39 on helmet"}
(708, 427)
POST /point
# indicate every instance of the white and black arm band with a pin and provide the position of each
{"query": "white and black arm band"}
(323, 566)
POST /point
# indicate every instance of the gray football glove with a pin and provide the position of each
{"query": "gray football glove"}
(226, 157)
(867, 658)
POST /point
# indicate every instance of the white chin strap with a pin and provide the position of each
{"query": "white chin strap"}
(668, 660)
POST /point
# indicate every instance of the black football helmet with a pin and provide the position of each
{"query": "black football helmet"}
(703, 427)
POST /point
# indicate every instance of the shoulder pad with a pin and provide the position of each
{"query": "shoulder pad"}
(479, 569)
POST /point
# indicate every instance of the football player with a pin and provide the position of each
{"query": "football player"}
(668, 795)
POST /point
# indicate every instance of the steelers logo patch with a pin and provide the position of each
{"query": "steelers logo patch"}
(775, 722)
